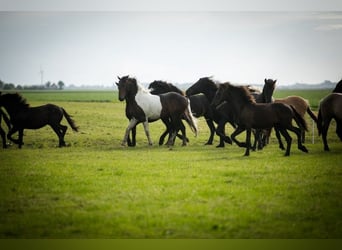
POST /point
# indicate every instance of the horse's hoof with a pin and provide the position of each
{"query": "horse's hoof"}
(208, 143)
(220, 146)
(227, 140)
(303, 148)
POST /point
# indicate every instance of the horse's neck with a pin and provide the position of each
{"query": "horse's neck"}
(13, 110)
(210, 94)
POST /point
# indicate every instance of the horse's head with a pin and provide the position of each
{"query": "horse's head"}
(268, 90)
(203, 85)
(159, 87)
(127, 87)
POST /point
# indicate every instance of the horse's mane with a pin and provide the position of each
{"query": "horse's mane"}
(15, 99)
(166, 86)
(338, 87)
(241, 92)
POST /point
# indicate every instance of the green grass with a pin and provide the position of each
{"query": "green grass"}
(96, 188)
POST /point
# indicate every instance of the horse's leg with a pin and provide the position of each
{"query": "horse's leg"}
(238, 131)
(211, 126)
(147, 132)
(302, 135)
(297, 131)
(182, 128)
(20, 138)
(220, 131)
(325, 128)
(133, 122)
(59, 133)
(281, 145)
(131, 142)
(287, 138)
(10, 133)
(3, 137)
(248, 141)
(167, 131)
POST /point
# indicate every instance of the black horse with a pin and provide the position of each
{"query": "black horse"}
(220, 115)
(145, 107)
(250, 115)
(200, 105)
(23, 116)
(2, 131)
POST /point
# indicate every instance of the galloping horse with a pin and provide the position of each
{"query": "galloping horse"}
(330, 108)
(221, 114)
(250, 115)
(25, 117)
(145, 107)
(200, 106)
(158, 87)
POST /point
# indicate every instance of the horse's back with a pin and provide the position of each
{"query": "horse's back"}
(332, 105)
(298, 102)
(150, 104)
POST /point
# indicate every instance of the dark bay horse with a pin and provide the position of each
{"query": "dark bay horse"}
(145, 107)
(2, 132)
(250, 114)
(200, 105)
(220, 116)
(23, 116)
(330, 108)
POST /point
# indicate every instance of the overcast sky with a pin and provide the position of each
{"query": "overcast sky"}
(93, 47)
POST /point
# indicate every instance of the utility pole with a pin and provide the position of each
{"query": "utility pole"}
(41, 75)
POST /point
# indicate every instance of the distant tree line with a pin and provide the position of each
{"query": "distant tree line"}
(47, 86)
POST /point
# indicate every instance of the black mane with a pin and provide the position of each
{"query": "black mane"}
(14, 99)
(240, 92)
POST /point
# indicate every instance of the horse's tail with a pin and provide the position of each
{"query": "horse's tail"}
(299, 119)
(312, 115)
(70, 121)
(319, 122)
(190, 119)
(339, 129)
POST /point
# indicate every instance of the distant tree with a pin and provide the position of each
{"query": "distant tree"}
(19, 87)
(48, 84)
(2, 84)
(54, 86)
(60, 85)
(8, 86)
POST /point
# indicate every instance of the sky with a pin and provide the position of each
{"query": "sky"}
(90, 46)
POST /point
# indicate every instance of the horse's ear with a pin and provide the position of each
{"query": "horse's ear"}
(265, 80)
(119, 78)
(117, 84)
(275, 80)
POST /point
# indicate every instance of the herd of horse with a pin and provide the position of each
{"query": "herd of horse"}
(243, 107)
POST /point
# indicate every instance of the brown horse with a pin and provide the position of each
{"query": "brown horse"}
(301, 105)
(145, 107)
(250, 114)
(330, 108)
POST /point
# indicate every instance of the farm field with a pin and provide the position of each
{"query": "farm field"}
(95, 188)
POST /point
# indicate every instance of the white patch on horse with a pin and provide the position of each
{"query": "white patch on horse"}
(149, 103)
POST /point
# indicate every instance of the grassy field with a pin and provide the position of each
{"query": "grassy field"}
(95, 188)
